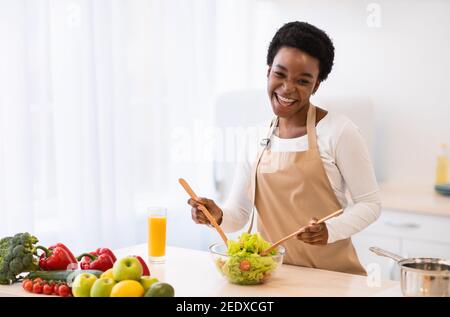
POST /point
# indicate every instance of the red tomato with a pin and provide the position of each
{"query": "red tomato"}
(37, 280)
(56, 289)
(23, 282)
(244, 265)
(28, 286)
(64, 290)
(37, 288)
(47, 289)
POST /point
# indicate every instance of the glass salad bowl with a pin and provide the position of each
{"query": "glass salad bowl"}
(249, 269)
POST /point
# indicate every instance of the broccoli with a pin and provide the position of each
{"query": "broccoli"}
(16, 256)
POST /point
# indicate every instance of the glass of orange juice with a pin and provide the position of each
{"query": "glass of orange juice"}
(157, 222)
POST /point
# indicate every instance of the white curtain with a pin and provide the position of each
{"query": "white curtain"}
(92, 94)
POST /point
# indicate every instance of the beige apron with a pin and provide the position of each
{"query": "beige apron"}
(290, 188)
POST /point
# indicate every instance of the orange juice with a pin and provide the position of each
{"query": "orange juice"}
(157, 236)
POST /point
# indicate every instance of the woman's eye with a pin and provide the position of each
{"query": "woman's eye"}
(303, 82)
(278, 74)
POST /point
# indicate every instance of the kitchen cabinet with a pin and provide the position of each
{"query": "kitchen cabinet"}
(408, 234)
(363, 241)
(417, 248)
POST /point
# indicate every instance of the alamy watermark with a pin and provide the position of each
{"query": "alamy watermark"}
(373, 275)
(202, 143)
(73, 15)
(373, 20)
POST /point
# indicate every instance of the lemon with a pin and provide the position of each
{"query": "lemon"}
(107, 274)
(127, 288)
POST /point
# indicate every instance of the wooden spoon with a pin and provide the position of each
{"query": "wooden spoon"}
(267, 251)
(208, 215)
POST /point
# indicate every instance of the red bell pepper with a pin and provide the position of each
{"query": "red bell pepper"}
(56, 257)
(101, 259)
(145, 270)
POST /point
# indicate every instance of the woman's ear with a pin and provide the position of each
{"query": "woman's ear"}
(316, 87)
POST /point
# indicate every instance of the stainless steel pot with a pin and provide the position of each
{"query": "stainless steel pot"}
(421, 276)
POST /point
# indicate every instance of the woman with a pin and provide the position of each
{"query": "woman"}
(308, 161)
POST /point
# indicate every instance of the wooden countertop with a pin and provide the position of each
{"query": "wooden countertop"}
(423, 200)
(192, 273)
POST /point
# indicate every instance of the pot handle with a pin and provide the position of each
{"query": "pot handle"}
(385, 253)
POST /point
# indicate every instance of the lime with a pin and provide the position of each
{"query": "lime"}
(160, 290)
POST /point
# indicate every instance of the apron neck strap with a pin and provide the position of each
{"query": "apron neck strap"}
(311, 127)
(265, 144)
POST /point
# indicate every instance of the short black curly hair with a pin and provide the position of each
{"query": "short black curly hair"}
(307, 38)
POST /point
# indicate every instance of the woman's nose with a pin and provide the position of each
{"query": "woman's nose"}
(288, 86)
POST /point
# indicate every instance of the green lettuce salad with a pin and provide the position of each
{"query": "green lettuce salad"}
(244, 265)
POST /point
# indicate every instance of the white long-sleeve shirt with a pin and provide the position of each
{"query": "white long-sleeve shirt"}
(347, 164)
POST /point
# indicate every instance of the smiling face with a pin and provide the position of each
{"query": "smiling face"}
(291, 80)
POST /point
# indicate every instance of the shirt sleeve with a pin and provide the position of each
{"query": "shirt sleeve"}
(238, 207)
(354, 164)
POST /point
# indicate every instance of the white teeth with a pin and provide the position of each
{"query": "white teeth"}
(286, 99)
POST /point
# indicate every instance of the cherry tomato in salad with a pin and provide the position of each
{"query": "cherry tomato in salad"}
(37, 280)
(244, 265)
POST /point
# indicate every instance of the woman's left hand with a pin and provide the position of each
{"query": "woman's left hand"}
(314, 234)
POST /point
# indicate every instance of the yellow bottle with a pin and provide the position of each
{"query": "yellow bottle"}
(442, 165)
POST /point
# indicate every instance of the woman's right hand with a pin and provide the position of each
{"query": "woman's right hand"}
(197, 214)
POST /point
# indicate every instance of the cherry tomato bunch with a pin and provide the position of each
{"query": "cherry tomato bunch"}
(39, 286)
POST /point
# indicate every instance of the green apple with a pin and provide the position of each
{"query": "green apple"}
(147, 281)
(82, 284)
(127, 268)
(102, 287)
